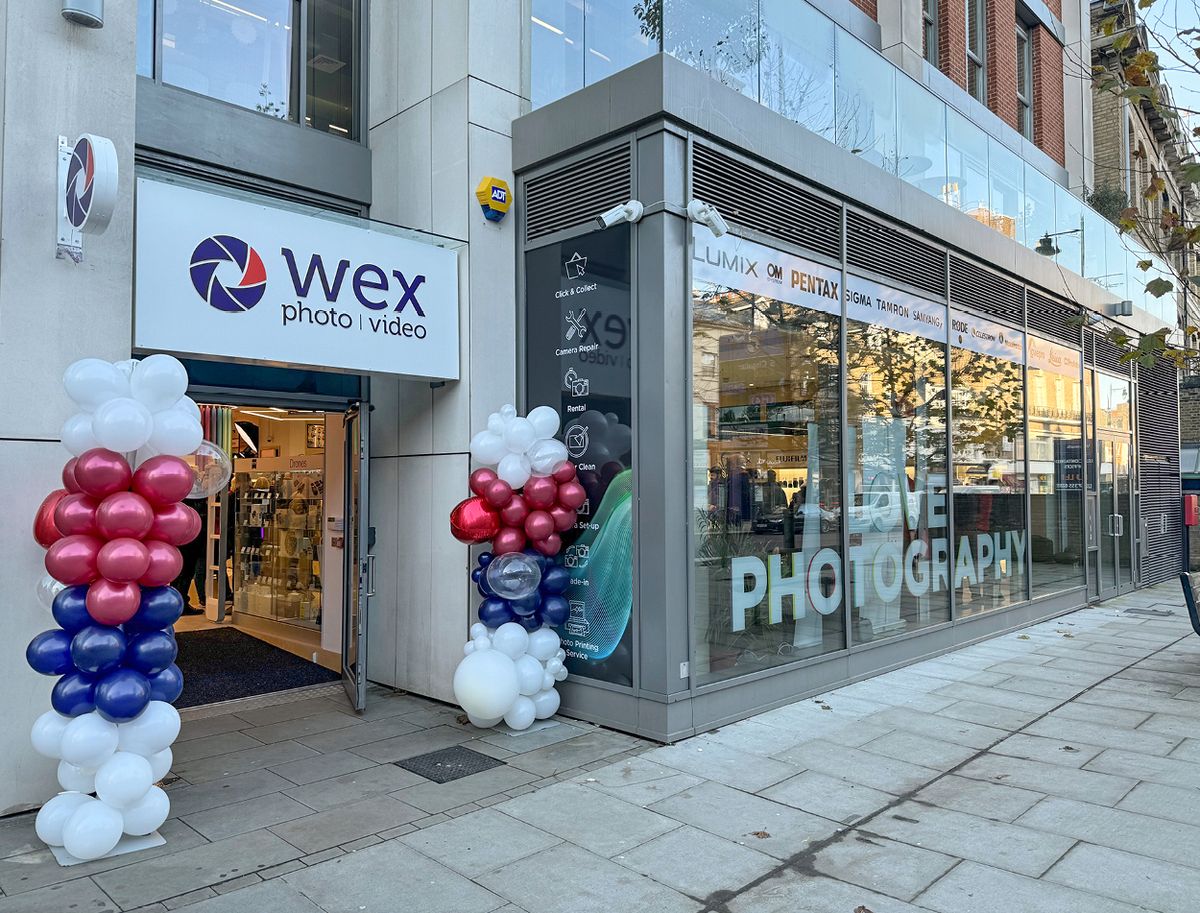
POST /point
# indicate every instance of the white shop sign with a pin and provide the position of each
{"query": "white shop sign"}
(234, 278)
(985, 337)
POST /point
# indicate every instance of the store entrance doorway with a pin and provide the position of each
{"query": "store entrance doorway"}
(276, 585)
(1115, 477)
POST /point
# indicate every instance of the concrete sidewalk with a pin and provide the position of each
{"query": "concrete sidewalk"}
(1054, 770)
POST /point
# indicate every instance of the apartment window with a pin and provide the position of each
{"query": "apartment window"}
(293, 60)
(1024, 81)
(976, 51)
(929, 16)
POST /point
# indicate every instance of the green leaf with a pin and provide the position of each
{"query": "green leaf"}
(1158, 287)
(1145, 265)
(1122, 41)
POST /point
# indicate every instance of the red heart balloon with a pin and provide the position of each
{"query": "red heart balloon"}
(45, 533)
(474, 521)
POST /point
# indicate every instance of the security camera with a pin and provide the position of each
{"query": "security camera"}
(706, 214)
(626, 212)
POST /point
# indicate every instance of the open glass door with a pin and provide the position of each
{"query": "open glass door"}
(360, 563)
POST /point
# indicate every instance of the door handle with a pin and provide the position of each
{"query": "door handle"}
(370, 576)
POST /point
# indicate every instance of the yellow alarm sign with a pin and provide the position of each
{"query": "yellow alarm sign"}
(494, 198)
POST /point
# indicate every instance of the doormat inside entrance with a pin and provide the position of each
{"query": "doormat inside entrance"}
(448, 764)
(224, 664)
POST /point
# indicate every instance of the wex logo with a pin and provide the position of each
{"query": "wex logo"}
(213, 253)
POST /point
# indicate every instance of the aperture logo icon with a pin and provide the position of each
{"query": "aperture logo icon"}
(209, 255)
(81, 178)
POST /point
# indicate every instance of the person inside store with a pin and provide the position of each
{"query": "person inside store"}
(195, 559)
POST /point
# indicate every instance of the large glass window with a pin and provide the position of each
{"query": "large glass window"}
(922, 143)
(766, 459)
(1055, 466)
(145, 38)
(332, 35)
(618, 34)
(899, 561)
(967, 167)
(865, 101)
(1006, 181)
(1068, 221)
(1113, 404)
(988, 431)
(716, 36)
(556, 53)
(796, 71)
(1037, 215)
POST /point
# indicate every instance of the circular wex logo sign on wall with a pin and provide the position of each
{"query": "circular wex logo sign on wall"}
(228, 273)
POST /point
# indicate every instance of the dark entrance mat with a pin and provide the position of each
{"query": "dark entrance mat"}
(224, 664)
(448, 764)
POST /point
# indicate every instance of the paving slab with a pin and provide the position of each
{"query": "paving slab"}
(1097, 713)
(245, 816)
(337, 792)
(876, 771)
(976, 888)
(300, 727)
(989, 715)
(1105, 736)
(375, 730)
(236, 762)
(439, 797)
(922, 750)
(1167, 724)
(479, 843)
(1146, 767)
(322, 767)
(638, 780)
(1163, 887)
(792, 892)
(1053, 779)
(1187, 750)
(411, 744)
(78, 896)
(273, 896)
(1065, 753)
(717, 761)
(937, 726)
(340, 825)
(562, 756)
(697, 863)
(209, 745)
(1173, 803)
(978, 797)
(829, 797)
(523, 741)
(293, 710)
(187, 800)
(209, 725)
(887, 866)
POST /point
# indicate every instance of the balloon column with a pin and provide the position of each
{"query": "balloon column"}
(111, 536)
(525, 494)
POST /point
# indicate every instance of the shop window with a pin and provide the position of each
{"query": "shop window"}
(257, 54)
(1113, 404)
(766, 454)
(1055, 467)
(988, 433)
(897, 512)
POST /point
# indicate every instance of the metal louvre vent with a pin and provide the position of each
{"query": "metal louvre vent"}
(1158, 472)
(874, 246)
(1052, 317)
(1107, 355)
(577, 193)
(987, 292)
(756, 199)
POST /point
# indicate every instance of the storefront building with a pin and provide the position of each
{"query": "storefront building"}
(821, 445)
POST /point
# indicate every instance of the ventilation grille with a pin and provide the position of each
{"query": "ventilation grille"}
(873, 246)
(1107, 355)
(985, 291)
(577, 193)
(1158, 472)
(1053, 318)
(755, 199)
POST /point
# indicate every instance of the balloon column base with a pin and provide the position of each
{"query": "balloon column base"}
(535, 726)
(126, 844)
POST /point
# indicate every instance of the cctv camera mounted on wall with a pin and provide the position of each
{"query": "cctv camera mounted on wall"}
(626, 212)
(706, 214)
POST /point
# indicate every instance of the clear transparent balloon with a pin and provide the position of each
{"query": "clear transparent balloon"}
(212, 467)
(513, 575)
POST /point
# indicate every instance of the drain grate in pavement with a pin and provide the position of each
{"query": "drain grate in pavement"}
(448, 764)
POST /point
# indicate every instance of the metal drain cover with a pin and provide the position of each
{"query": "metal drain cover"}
(448, 764)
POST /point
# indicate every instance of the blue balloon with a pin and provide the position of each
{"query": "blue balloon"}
(98, 649)
(485, 558)
(555, 610)
(484, 588)
(495, 611)
(70, 609)
(160, 608)
(542, 561)
(122, 695)
(151, 652)
(476, 574)
(50, 653)
(166, 685)
(555, 579)
(74, 695)
(530, 622)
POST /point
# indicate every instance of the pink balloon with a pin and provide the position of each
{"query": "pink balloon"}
(112, 603)
(72, 559)
(70, 483)
(514, 512)
(480, 479)
(508, 540)
(550, 546)
(572, 495)
(75, 515)
(125, 515)
(176, 524)
(564, 473)
(165, 563)
(564, 518)
(163, 480)
(123, 560)
(538, 525)
(539, 492)
(497, 493)
(45, 530)
(101, 473)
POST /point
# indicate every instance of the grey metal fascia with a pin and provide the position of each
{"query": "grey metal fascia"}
(1037, 10)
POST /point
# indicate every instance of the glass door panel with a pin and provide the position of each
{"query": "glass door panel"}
(1106, 477)
(1123, 511)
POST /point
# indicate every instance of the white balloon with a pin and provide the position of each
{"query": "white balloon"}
(495, 423)
(543, 643)
(514, 469)
(487, 447)
(520, 714)
(553, 665)
(560, 675)
(143, 454)
(545, 703)
(468, 648)
(485, 684)
(150, 731)
(482, 723)
(507, 411)
(54, 814)
(122, 424)
(158, 381)
(529, 674)
(47, 733)
(92, 830)
(519, 435)
(511, 639)
(77, 434)
(89, 740)
(147, 814)
(47, 589)
(175, 432)
(479, 629)
(188, 405)
(77, 779)
(545, 456)
(160, 763)
(482, 642)
(123, 779)
(560, 654)
(545, 420)
(92, 381)
(547, 680)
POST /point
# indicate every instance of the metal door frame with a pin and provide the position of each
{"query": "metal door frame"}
(1110, 541)
(359, 562)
